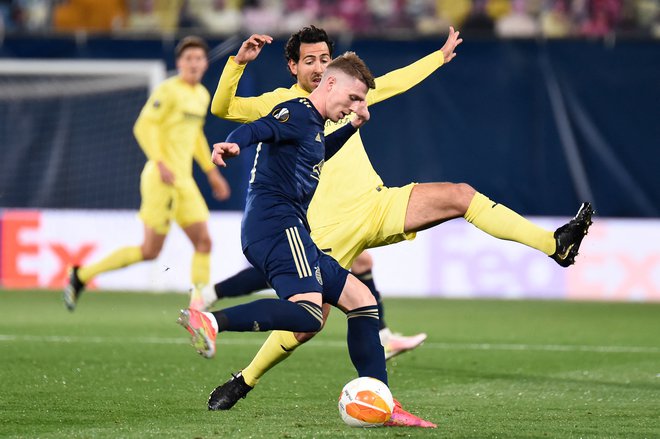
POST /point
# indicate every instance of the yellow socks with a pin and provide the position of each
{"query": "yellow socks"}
(201, 268)
(501, 222)
(276, 348)
(120, 258)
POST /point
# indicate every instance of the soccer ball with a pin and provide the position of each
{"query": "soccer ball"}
(365, 402)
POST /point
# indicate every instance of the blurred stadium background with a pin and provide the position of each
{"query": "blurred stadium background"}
(548, 103)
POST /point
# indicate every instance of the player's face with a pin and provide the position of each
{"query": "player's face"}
(314, 58)
(346, 96)
(192, 65)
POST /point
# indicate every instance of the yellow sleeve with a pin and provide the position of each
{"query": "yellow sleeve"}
(226, 105)
(147, 128)
(405, 78)
(202, 153)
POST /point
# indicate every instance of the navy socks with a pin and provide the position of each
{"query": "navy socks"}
(364, 345)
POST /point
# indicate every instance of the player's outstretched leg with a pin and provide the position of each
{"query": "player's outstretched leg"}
(227, 395)
(260, 315)
(431, 204)
(570, 235)
(73, 289)
(202, 330)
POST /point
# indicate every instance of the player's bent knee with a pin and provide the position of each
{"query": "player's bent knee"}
(458, 198)
(204, 245)
(465, 191)
(355, 295)
(149, 254)
(304, 337)
(313, 321)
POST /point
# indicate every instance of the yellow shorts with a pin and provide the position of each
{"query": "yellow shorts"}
(162, 204)
(376, 220)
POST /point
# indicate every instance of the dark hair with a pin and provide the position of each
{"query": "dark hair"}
(311, 34)
(187, 43)
(352, 65)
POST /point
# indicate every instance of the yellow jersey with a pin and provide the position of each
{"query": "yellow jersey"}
(348, 175)
(170, 127)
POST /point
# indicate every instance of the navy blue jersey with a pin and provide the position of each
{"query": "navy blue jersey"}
(291, 151)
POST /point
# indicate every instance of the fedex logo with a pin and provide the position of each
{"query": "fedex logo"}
(28, 259)
(622, 262)
(619, 260)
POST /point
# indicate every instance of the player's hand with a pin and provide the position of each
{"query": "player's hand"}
(251, 48)
(361, 115)
(166, 176)
(219, 185)
(222, 151)
(451, 44)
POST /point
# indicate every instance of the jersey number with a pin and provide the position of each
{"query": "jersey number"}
(253, 172)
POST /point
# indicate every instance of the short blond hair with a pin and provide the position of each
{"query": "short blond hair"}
(352, 65)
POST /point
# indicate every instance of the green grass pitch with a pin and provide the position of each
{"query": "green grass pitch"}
(119, 366)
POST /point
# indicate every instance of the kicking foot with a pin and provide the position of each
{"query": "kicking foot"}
(73, 289)
(201, 329)
(569, 236)
(227, 395)
(396, 344)
(402, 418)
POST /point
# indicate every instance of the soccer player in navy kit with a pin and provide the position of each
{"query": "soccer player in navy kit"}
(275, 235)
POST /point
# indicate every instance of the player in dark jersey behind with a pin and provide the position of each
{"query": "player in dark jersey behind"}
(275, 236)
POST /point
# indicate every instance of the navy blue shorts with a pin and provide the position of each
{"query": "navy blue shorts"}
(293, 264)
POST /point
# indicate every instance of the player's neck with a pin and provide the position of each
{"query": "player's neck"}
(318, 100)
(189, 81)
(302, 89)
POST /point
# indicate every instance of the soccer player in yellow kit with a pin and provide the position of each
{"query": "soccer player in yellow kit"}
(169, 130)
(352, 209)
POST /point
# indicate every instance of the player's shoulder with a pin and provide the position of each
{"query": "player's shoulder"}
(169, 83)
(292, 110)
(167, 88)
(284, 93)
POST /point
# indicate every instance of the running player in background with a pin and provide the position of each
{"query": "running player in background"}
(170, 132)
(291, 152)
(352, 209)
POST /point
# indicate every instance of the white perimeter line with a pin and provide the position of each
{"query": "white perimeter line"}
(331, 344)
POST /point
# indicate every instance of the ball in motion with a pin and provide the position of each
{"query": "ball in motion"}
(365, 402)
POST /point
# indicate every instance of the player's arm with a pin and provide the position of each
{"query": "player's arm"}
(286, 122)
(242, 137)
(338, 138)
(403, 79)
(219, 185)
(149, 133)
(226, 104)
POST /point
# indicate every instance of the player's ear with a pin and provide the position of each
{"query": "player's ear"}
(293, 67)
(331, 81)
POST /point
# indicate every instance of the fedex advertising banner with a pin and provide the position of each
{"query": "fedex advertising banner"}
(619, 259)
